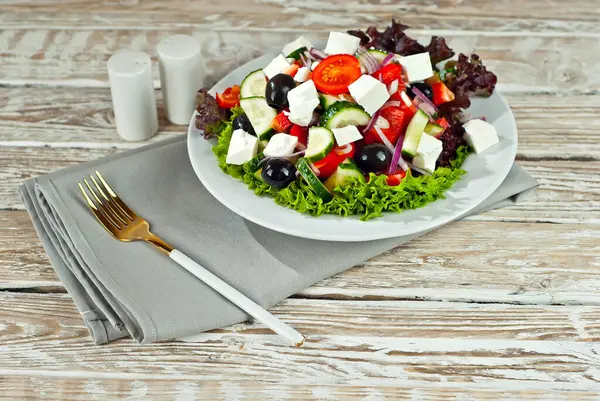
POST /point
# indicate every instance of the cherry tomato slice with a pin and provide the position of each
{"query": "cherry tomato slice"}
(334, 74)
(441, 94)
(229, 98)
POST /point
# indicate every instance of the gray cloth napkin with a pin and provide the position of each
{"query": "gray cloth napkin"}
(130, 289)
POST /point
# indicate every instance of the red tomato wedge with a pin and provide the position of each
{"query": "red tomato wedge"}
(389, 74)
(394, 180)
(229, 98)
(330, 163)
(281, 123)
(334, 74)
(397, 118)
(300, 132)
(441, 94)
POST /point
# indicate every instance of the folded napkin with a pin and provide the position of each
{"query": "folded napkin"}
(130, 289)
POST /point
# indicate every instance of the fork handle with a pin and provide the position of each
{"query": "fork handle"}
(245, 303)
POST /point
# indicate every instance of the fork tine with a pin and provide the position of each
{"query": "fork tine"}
(124, 208)
(110, 203)
(106, 211)
(107, 224)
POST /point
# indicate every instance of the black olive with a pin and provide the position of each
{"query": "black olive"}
(373, 158)
(423, 87)
(278, 172)
(277, 90)
(242, 122)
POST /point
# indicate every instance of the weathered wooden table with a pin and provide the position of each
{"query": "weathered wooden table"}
(504, 305)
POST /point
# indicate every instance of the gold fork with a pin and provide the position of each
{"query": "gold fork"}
(125, 225)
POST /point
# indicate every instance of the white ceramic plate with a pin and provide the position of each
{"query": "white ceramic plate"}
(485, 172)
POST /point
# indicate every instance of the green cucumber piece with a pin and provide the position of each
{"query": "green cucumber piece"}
(313, 181)
(253, 164)
(258, 175)
(414, 131)
(341, 114)
(255, 84)
(378, 54)
(433, 129)
(296, 53)
(320, 143)
(260, 115)
(329, 100)
(346, 170)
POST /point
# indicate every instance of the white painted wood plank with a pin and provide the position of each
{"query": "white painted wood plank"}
(68, 388)
(463, 262)
(355, 343)
(78, 57)
(473, 15)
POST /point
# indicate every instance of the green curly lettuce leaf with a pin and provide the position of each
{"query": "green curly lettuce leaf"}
(368, 199)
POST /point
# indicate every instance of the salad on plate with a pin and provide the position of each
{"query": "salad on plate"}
(372, 123)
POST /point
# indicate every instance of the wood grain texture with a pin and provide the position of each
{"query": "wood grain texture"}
(78, 57)
(535, 264)
(569, 191)
(369, 343)
(478, 15)
(47, 387)
(558, 127)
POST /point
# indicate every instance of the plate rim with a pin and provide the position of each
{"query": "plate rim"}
(315, 235)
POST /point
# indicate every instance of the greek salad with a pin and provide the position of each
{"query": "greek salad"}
(373, 122)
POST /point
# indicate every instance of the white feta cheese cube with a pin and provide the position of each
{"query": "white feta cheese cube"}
(314, 65)
(303, 100)
(276, 66)
(297, 44)
(428, 151)
(346, 135)
(341, 43)
(281, 145)
(480, 135)
(242, 147)
(417, 66)
(302, 75)
(369, 92)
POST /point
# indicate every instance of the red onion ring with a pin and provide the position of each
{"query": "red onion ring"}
(420, 170)
(384, 139)
(318, 54)
(423, 98)
(315, 170)
(394, 103)
(371, 122)
(387, 59)
(345, 150)
(397, 159)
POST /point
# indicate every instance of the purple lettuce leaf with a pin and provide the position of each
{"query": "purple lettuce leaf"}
(470, 77)
(439, 50)
(209, 115)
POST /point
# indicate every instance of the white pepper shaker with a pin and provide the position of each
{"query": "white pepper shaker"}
(179, 63)
(132, 92)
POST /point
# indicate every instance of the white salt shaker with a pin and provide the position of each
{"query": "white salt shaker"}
(132, 91)
(179, 63)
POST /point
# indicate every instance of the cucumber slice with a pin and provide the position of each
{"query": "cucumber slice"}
(254, 164)
(296, 53)
(312, 180)
(414, 131)
(320, 143)
(329, 100)
(378, 54)
(260, 115)
(433, 129)
(345, 171)
(342, 114)
(255, 84)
